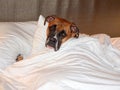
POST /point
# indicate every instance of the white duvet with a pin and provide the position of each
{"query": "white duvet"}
(15, 38)
(86, 63)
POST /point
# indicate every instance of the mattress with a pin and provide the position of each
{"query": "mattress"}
(62, 71)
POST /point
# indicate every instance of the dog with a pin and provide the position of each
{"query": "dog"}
(59, 30)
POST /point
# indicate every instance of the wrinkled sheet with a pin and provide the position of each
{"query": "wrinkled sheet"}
(86, 64)
(15, 38)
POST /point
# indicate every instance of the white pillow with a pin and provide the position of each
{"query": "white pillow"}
(116, 42)
(39, 36)
(15, 38)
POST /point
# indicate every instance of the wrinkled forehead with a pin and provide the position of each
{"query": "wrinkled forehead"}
(60, 21)
(61, 24)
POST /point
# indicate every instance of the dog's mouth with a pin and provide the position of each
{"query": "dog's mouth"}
(52, 43)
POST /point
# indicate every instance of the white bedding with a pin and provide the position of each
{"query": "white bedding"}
(86, 64)
(15, 38)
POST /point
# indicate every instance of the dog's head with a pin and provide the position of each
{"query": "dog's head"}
(59, 30)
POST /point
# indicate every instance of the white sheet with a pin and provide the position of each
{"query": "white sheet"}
(15, 38)
(85, 64)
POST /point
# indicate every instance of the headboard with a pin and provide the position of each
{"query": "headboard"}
(91, 16)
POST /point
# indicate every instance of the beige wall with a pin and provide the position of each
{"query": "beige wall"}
(92, 16)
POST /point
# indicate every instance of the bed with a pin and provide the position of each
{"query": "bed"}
(90, 63)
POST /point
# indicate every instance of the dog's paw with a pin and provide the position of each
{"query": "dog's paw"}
(19, 58)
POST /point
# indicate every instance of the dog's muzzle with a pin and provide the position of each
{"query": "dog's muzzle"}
(52, 42)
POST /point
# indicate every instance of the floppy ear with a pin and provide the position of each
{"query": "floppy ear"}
(74, 29)
(49, 19)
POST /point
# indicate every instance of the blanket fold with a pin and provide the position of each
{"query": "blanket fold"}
(87, 61)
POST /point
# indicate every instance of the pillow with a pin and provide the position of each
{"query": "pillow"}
(15, 38)
(39, 36)
(116, 42)
(103, 38)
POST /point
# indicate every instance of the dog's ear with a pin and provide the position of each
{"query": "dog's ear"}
(49, 19)
(75, 30)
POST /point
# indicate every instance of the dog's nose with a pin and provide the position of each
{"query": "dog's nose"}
(53, 39)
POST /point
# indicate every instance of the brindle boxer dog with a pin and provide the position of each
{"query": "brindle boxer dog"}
(59, 30)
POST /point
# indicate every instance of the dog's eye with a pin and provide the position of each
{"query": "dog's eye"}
(52, 28)
(62, 34)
